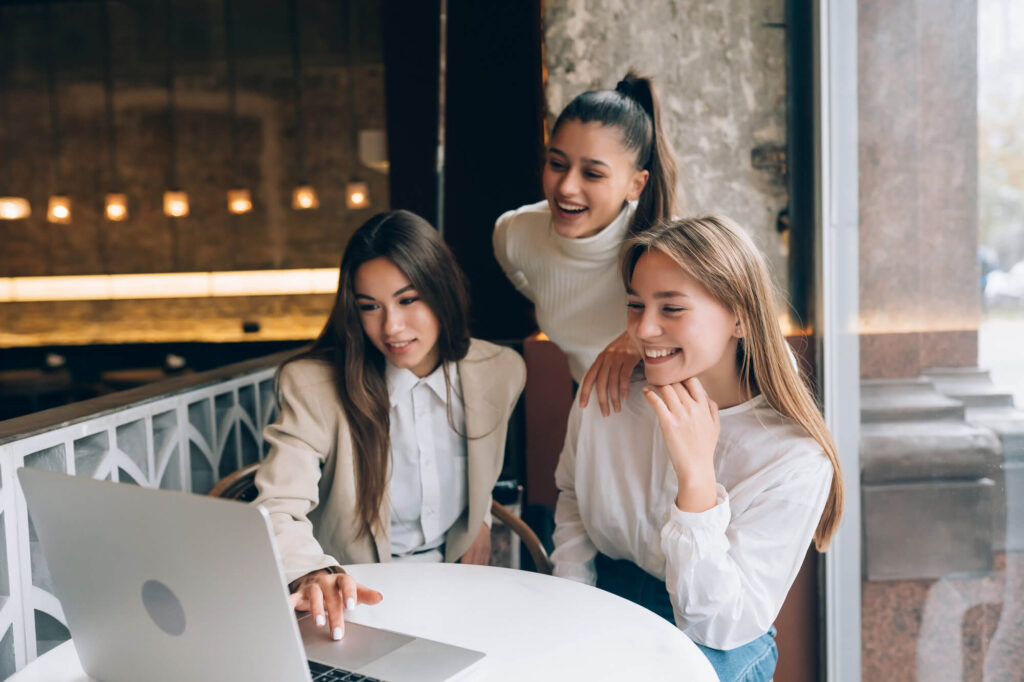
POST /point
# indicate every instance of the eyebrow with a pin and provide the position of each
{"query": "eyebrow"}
(407, 287)
(595, 162)
(660, 294)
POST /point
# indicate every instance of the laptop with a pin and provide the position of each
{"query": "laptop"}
(169, 586)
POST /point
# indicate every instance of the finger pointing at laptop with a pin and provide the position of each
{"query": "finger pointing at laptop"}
(327, 595)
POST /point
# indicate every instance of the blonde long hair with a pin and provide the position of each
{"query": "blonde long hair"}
(720, 255)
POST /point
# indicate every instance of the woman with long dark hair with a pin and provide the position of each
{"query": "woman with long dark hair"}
(392, 427)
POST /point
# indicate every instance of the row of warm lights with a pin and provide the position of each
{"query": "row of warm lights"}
(169, 285)
(58, 210)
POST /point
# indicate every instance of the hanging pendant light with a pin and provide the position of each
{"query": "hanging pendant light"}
(115, 202)
(357, 192)
(239, 198)
(304, 195)
(58, 208)
(175, 203)
(12, 207)
(239, 201)
(115, 206)
(175, 199)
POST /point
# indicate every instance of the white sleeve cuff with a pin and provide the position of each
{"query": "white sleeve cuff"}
(581, 573)
(714, 520)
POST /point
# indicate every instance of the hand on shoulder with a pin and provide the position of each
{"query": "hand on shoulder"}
(609, 375)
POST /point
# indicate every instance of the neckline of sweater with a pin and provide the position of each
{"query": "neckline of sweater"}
(598, 247)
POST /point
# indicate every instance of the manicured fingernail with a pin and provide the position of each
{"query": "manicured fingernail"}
(338, 632)
(350, 603)
(321, 621)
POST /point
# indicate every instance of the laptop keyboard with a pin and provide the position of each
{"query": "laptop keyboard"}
(325, 673)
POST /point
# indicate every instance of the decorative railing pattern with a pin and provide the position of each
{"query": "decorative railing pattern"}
(181, 435)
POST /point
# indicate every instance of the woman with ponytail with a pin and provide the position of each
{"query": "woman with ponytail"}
(699, 499)
(609, 173)
(392, 427)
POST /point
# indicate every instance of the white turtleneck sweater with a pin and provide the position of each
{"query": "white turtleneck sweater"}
(574, 284)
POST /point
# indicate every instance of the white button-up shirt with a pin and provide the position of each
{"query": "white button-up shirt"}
(727, 570)
(429, 483)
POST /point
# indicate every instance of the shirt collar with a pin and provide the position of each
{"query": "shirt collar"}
(401, 381)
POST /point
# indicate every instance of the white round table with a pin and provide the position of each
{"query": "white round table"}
(531, 626)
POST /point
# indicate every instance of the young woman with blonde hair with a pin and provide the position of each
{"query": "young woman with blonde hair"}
(698, 500)
(392, 427)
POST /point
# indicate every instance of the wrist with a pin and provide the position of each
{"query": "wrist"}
(300, 581)
(697, 496)
(691, 475)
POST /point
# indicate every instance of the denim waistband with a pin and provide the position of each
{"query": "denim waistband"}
(752, 662)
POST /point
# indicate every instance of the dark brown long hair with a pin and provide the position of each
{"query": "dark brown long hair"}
(418, 251)
(633, 108)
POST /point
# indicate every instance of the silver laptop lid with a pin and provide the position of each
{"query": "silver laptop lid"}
(153, 589)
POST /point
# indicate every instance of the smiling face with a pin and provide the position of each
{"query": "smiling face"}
(588, 175)
(682, 331)
(397, 322)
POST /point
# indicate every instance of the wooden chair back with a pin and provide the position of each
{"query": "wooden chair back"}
(241, 485)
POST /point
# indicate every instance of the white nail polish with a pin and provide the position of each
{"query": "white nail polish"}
(350, 603)
(321, 621)
(336, 634)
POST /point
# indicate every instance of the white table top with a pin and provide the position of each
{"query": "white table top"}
(531, 626)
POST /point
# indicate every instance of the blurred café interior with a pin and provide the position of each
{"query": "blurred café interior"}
(178, 179)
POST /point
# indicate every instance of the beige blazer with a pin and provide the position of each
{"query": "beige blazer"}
(308, 484)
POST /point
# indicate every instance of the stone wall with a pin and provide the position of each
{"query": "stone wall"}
(272, 235)
(720, 71)
(343, 92)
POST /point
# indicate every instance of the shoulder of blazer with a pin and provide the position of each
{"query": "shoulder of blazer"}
(310, 382)
(498, 366)
(307, 373)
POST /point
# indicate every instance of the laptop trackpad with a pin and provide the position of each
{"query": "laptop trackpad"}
(423, 660)
(360, 646)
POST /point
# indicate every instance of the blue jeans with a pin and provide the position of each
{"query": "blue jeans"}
(752, 662)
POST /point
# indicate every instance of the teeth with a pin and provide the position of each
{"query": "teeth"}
(401, 344)
(571, 209)
(652, 353)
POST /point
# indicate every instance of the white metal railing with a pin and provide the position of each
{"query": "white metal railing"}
(179, 435)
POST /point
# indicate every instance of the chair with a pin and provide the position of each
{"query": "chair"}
(526, 535)
(240, 485)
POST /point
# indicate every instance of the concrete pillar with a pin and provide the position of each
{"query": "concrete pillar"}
(919, 300)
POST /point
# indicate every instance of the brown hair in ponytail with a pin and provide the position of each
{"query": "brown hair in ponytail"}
(633, 108)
